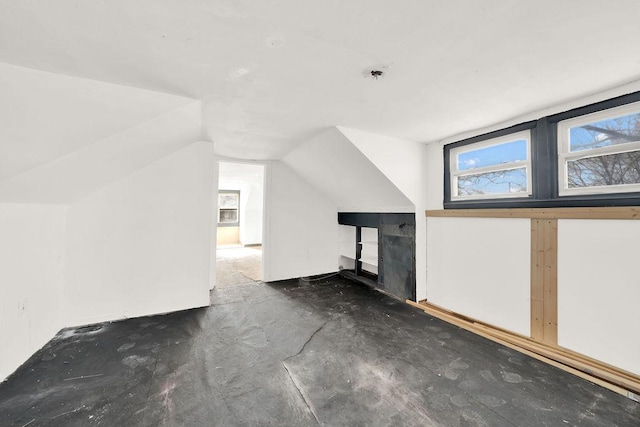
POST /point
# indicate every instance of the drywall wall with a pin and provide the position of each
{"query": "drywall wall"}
(31, 276)
(301, 227)
(228, 236)
(333, 165)
(252, 210)
(599, 290)
(142, 244)
(249, 180)
(480, 267)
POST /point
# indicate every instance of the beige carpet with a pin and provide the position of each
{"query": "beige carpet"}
(237, 265)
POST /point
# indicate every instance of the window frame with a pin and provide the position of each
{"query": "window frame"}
(545, 170)
(565, 155)
(455, 172)
(229, 224)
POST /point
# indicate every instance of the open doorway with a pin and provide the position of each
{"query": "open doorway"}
(240, 210)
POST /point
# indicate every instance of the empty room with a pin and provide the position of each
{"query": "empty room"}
(335, 213)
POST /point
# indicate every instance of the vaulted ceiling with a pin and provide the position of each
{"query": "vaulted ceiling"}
(273, 73)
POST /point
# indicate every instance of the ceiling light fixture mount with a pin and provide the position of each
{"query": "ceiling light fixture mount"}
(376, 71)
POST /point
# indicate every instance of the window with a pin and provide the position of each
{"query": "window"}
(228, 208)
(498, 167)
(588, 156)
(600, 152)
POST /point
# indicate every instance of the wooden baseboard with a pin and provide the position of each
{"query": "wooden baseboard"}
(605, 375)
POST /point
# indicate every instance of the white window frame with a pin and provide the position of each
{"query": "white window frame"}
(455, 173)
(565, 155)
(237, 209)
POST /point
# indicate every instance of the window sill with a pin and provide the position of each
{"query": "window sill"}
(587, 201)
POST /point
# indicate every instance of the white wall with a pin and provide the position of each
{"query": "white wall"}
(599, 290)
(301, 237)
(480, 267)
(31, 277)
(251, 211)
(142, 244)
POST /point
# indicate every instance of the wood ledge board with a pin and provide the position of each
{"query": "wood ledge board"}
(623, 212)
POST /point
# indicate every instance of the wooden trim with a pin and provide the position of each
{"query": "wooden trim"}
(600, 373)
(537, 280)
(550, 282)
(622, 212)
(544, 280)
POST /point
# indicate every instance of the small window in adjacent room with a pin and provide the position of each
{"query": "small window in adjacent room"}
(228, 208)
(495, 168)
(599, 153)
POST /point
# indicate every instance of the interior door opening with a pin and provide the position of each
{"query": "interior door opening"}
(240, 211)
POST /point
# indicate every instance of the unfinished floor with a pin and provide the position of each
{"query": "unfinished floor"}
(238, 264)
(332, 352)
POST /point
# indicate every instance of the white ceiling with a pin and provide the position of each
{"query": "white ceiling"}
(274, 73)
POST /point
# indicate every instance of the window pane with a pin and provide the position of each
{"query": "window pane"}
(228, 200)
(498, 182)
(508, 152)
(617, 130)
(613, 169)
(228, 216)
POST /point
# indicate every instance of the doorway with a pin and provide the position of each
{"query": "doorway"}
(240, 211)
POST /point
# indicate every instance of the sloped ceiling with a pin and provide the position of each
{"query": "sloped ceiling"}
(77, 174)
(274, 73)
(44, 116)
(333, 165)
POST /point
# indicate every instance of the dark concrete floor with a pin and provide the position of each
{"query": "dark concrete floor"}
(333, 352)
